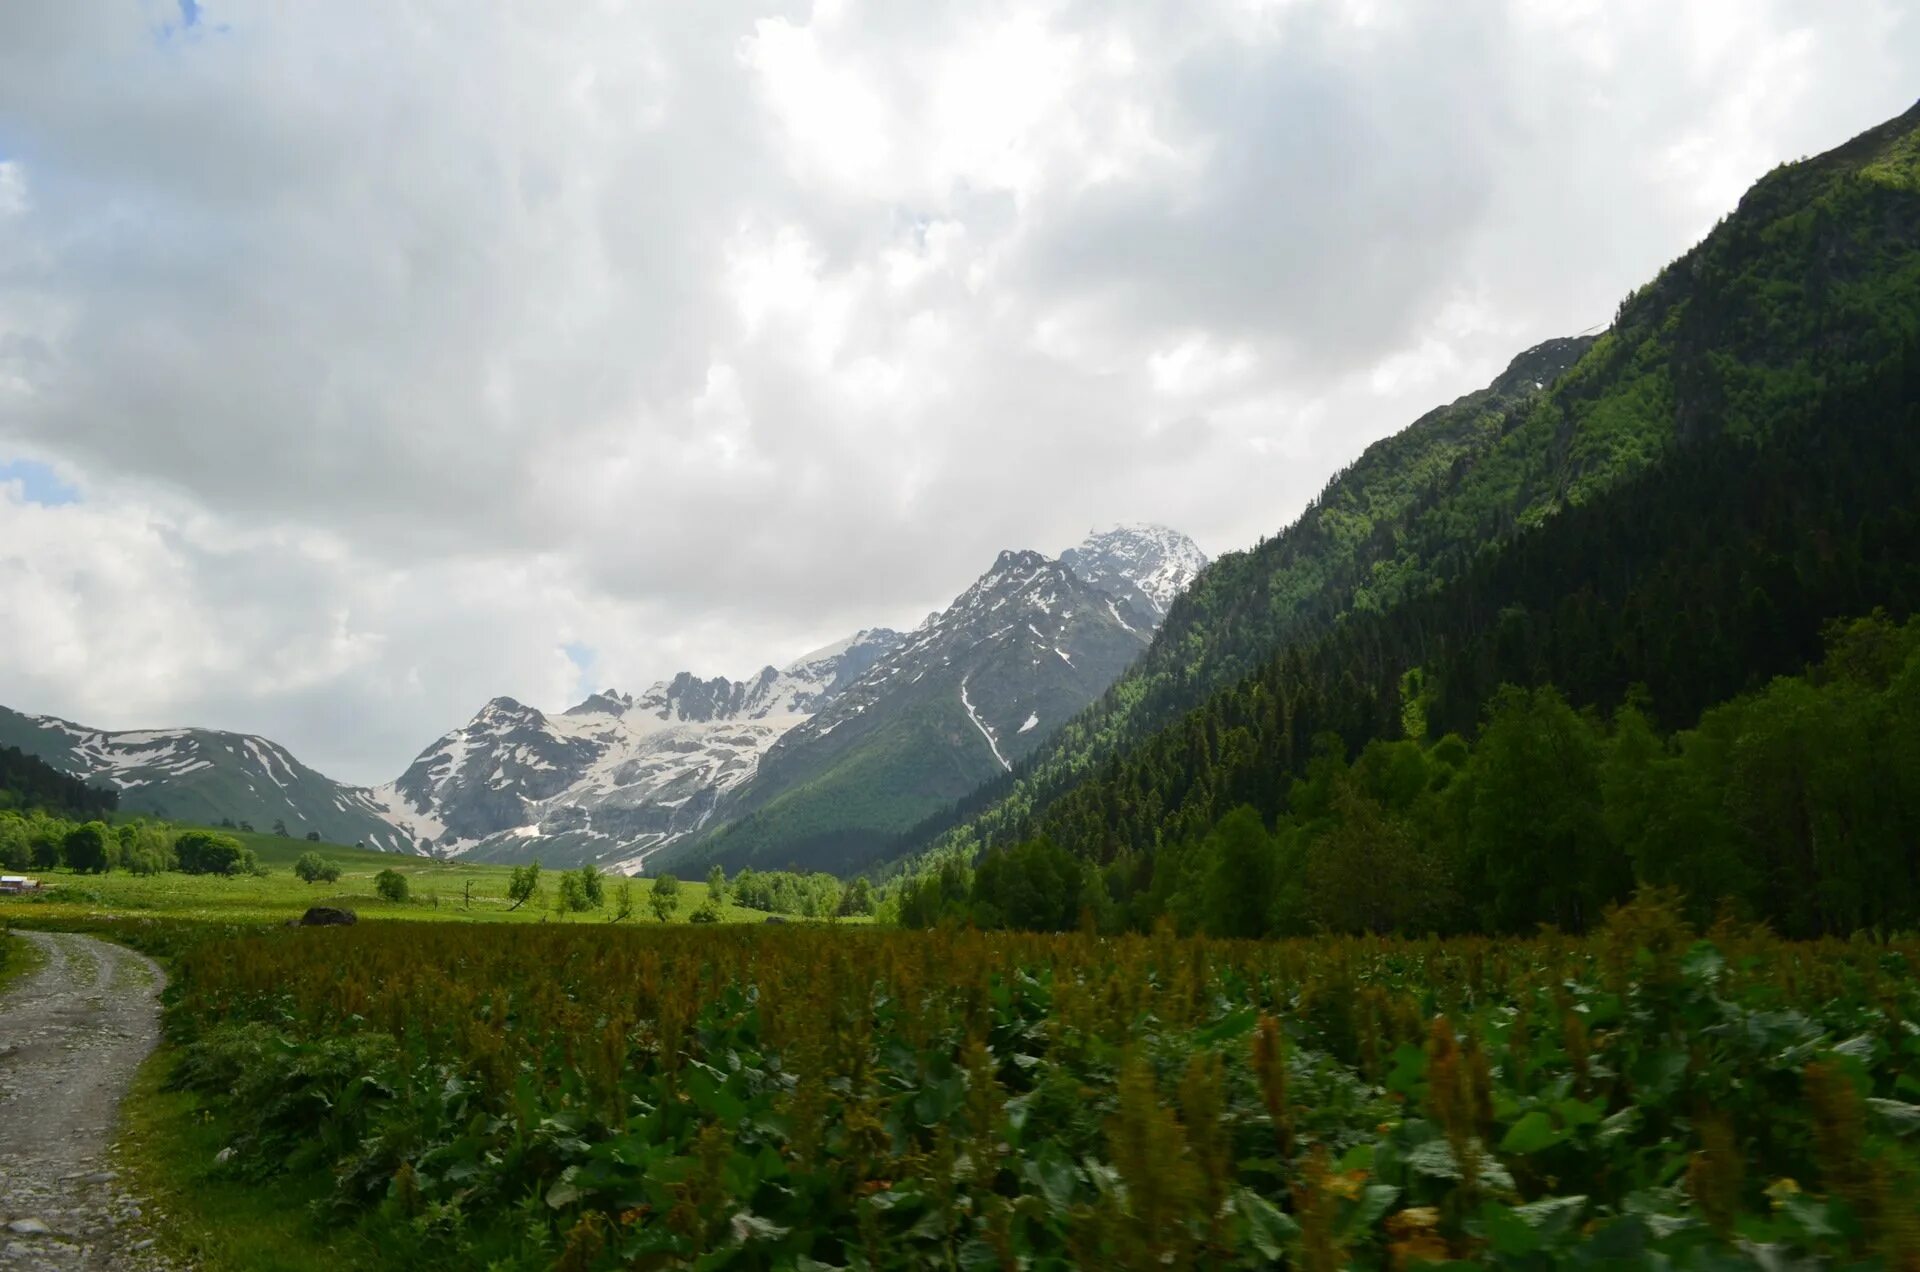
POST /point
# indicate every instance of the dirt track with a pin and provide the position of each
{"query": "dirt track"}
(71, 1036)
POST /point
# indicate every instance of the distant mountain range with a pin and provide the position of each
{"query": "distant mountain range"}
(203, 775)
(616, 777)
(812, 763)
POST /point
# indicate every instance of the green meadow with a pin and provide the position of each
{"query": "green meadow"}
(438, 891)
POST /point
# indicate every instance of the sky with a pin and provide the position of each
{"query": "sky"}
(360, 362)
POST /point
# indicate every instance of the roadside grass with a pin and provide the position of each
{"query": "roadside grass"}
(205, 1218)
(19, 958)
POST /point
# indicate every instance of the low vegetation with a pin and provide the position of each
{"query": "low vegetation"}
(19, 957)
(801, 1098)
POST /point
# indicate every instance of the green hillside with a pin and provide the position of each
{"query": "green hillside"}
(853, 801)
(1721, 471)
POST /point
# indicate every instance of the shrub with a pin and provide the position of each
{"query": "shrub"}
(664, 900)
(524, 885)
(391, 884)
(86, 848)
(858, 897)
(314, 868)
(207, 852)
(47, 844)
(582, 889)
(16, 844)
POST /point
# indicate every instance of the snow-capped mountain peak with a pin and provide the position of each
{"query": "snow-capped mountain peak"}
(617, 774)
(1148, 564)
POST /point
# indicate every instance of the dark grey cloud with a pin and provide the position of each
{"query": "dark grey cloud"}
(396, 348)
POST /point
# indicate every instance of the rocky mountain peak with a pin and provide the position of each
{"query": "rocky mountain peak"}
(1146, 564)
(606, 702)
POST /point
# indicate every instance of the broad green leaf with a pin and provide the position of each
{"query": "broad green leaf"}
(748, 1227)
(1619, 1126)
(1551, 1215)
(1374, 1202)
(1507, 1232)
(1268, 1227)
(1531, 1134)
(564, 1191)
(1904, 1118)
(1657, 1074)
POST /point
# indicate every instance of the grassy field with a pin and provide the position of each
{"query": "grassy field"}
(440, 891)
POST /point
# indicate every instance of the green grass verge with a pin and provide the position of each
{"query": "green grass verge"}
(19, 958)
(205, 1218)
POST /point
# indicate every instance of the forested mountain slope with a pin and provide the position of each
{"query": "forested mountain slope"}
(29, 782)
(1763, 386)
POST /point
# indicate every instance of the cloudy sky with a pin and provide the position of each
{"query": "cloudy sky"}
(361, 361)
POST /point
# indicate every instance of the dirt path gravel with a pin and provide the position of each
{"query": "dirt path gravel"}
(71, 1036)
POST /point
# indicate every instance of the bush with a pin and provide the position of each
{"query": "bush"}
(524, 885)
(314, 868)
(583, 889)
(707, 913)
(86, 848)
(143, 848)
(391, 884)
(47, 842)
(664, 900)
(858, 898)
(16, 845)
(207, 852)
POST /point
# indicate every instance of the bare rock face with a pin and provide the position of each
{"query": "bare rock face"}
(328, 916)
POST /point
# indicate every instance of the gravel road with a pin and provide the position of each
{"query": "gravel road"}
(71, 1036)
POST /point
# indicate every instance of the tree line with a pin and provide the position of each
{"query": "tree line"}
(39, 841)
(1797, 804)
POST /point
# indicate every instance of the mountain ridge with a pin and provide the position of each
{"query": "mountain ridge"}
(205, 775)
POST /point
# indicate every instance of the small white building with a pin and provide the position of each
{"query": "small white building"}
(13, 885)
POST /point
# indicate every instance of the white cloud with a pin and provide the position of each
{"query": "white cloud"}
(399, 347)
